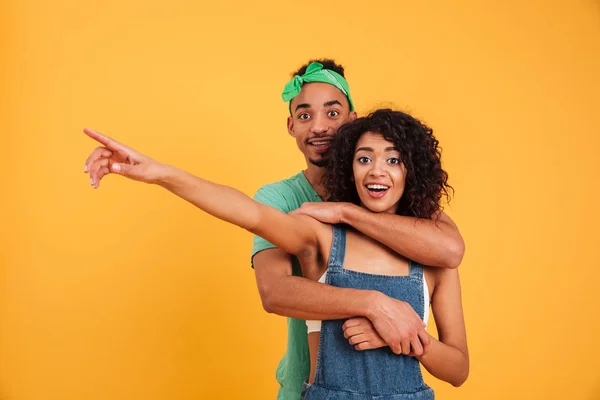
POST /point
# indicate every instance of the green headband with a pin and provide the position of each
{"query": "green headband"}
(316, 73)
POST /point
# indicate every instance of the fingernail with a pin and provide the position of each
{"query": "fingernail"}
(85, 168)
(91, 182)
(116, 167)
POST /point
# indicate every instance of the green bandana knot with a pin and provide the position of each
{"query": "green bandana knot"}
(316, 73)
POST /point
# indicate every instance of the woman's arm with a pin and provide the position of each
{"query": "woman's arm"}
(447, 358)
(295, 234)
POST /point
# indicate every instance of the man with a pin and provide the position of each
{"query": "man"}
(319, 103)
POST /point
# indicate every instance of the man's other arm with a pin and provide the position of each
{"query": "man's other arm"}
(285, 294)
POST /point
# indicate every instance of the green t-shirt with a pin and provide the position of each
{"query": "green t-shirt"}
(294, 367)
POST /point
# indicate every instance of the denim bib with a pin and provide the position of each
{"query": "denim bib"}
(346, 373)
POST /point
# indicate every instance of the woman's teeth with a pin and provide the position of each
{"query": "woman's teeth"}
(377, 188)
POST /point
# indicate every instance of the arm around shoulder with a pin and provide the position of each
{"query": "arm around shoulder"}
(434, 242)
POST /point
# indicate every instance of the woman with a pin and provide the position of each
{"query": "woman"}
(386, 162)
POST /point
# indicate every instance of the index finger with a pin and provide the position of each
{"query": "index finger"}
(105, 140)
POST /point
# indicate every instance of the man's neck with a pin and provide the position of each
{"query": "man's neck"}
(315, 175)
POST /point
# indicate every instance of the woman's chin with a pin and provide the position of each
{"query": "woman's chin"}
(374, 206)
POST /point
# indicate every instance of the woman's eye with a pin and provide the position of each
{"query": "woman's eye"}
(363, 160)
(394, 161)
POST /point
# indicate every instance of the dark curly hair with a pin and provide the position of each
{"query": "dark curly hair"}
(327, 64)
(426, 181)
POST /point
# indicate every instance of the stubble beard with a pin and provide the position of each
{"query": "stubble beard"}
(321, 163)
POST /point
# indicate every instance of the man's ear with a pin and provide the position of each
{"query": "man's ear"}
(290, 125)
(353, 115)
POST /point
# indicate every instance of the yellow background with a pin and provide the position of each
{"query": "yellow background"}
(129, 293)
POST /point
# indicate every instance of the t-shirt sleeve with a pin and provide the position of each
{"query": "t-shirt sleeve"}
(274, 196)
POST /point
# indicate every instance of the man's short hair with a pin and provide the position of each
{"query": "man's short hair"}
(327, 64)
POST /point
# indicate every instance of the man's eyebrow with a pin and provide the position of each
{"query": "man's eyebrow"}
(302, 105)
(331, 103)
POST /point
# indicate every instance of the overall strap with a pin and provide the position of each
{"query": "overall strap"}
(416, 270)
(338, 247)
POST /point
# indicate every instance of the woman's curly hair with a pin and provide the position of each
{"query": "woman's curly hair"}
(426, 181)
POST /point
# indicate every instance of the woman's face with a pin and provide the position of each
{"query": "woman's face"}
(379, 173)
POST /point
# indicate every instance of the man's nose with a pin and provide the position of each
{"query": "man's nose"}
(319, 125)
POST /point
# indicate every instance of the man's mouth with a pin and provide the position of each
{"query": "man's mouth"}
(321, 145)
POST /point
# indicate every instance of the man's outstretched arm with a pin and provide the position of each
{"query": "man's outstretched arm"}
(432, 242)
(292, 296)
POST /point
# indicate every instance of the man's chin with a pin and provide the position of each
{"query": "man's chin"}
(321, 162)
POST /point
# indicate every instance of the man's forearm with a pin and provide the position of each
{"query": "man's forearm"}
(429, 242)
(302, 298)
(288, 295)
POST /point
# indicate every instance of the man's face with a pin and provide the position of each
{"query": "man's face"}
(317, 113)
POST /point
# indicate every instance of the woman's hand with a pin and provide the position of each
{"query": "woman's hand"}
(361, 334)
(328, 213)
(114, 157)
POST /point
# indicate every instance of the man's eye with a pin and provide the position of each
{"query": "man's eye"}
(334, 113)
(364, 160)
(303, 116)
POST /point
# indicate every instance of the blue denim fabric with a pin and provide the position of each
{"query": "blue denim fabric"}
(344, 373)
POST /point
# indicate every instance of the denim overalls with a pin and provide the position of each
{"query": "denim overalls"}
(345, 373)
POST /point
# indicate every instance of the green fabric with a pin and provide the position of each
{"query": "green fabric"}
(316, 73)
(294, 368)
